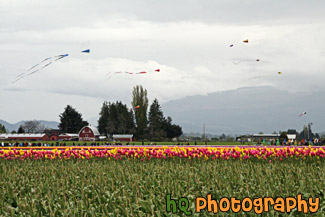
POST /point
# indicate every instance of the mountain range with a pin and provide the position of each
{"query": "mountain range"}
(10, 127)
(241, 111)
(248, 110)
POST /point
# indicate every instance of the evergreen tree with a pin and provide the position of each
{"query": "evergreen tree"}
(139, 98)
(112, 122)
(103, 119)
(125, 119)
(304, 133)
(119, 119)
(71, 121)
(20, 129)
(156, 121)
(172, 130)
(2, 129)
(283, 136)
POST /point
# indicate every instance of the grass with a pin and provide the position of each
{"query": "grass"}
(70, 143)
(135, 188)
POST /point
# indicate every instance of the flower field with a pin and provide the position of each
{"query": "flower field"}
(148, 153)
(134, 181)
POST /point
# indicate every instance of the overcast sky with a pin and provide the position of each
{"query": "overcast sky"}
(188, 40)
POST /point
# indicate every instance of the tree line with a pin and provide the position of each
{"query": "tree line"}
(117, 118)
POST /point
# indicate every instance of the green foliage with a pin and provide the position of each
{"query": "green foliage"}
(120, 119)
(139, 98)
(136, 188)
(156, 121)
(21, 130)
(71, 121)
(2, 129)
(172, 130)
(306, 133)
(283, 136)
(103, 119)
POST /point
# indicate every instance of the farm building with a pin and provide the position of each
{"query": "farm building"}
(69, 137)
(53, 134)
(292, 137)
(266, 137)
(89, 133)
(25, 136)
(258, 137)
(123, 137)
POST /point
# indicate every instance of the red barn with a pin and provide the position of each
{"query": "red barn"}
(54, 137)
(89, 133)
(53, 134)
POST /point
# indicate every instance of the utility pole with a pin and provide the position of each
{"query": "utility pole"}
(204, 132)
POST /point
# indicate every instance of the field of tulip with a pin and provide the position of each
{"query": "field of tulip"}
(134, 181)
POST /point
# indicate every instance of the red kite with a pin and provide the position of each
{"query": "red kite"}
(302, 114)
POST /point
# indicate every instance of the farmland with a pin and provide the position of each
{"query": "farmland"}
(135, 143)
(122, 184)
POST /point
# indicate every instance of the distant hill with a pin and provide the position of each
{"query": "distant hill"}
(10, 127)
(248, 110)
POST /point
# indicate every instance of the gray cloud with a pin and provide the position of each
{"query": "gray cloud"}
(188, 40)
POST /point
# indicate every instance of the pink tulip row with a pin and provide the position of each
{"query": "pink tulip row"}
(225, 153)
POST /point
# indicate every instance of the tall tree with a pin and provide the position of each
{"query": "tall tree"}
(125, 119)
(120, 120)
(112, 122)
(139, 98)
(33, 126)
(103, 119)
(283, 136)
(71, 121)
(116, 118)
(20, 129)
(172, 130)
(156, 121)
(304, 133)
(2, 129)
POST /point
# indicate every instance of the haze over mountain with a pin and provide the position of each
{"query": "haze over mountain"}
(248, 110)
(244, 110)
(10, 127)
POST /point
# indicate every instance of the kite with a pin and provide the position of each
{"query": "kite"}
(261, 76)
(302, 114)
(231, 45)
(134, 108)
(245, 41)
(43, 64)
(110, 74)
(247, 60)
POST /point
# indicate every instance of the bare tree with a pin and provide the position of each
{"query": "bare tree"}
(33, 126)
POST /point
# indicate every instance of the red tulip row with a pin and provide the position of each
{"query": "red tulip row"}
(225, 153)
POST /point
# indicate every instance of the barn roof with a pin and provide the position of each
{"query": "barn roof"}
(266, 135)
(94, 129)
(22, 135)
(69, 134)
(122, 136)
